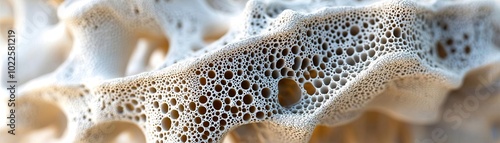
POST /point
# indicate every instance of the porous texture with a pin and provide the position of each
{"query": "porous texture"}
(282, 68)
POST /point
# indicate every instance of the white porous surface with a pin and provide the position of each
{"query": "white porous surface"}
(168, 71)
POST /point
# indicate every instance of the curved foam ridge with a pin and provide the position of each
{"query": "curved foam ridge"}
(163, 71)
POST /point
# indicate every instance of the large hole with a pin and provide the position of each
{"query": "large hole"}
(217, 104)
(211, 74)
(396, 32)
(228, 75)
(164, 108)
(309, 88)
(247, 99)
(354, 30)
(288, 92)
(174, 114)
(166, 123)
(115, 132)
(250, 133)
(266, 92)
(45, 117)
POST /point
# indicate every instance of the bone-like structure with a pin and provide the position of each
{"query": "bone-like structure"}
(285, 71)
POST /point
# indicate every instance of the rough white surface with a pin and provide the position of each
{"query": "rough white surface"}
(283, 67)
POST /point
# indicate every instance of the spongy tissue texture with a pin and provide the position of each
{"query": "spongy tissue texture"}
(288, 66)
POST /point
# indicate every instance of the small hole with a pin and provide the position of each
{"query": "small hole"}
(288, 92)
(211, 74)
(179, 25)
(449, 42)
(441, 51)
(467, 49)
